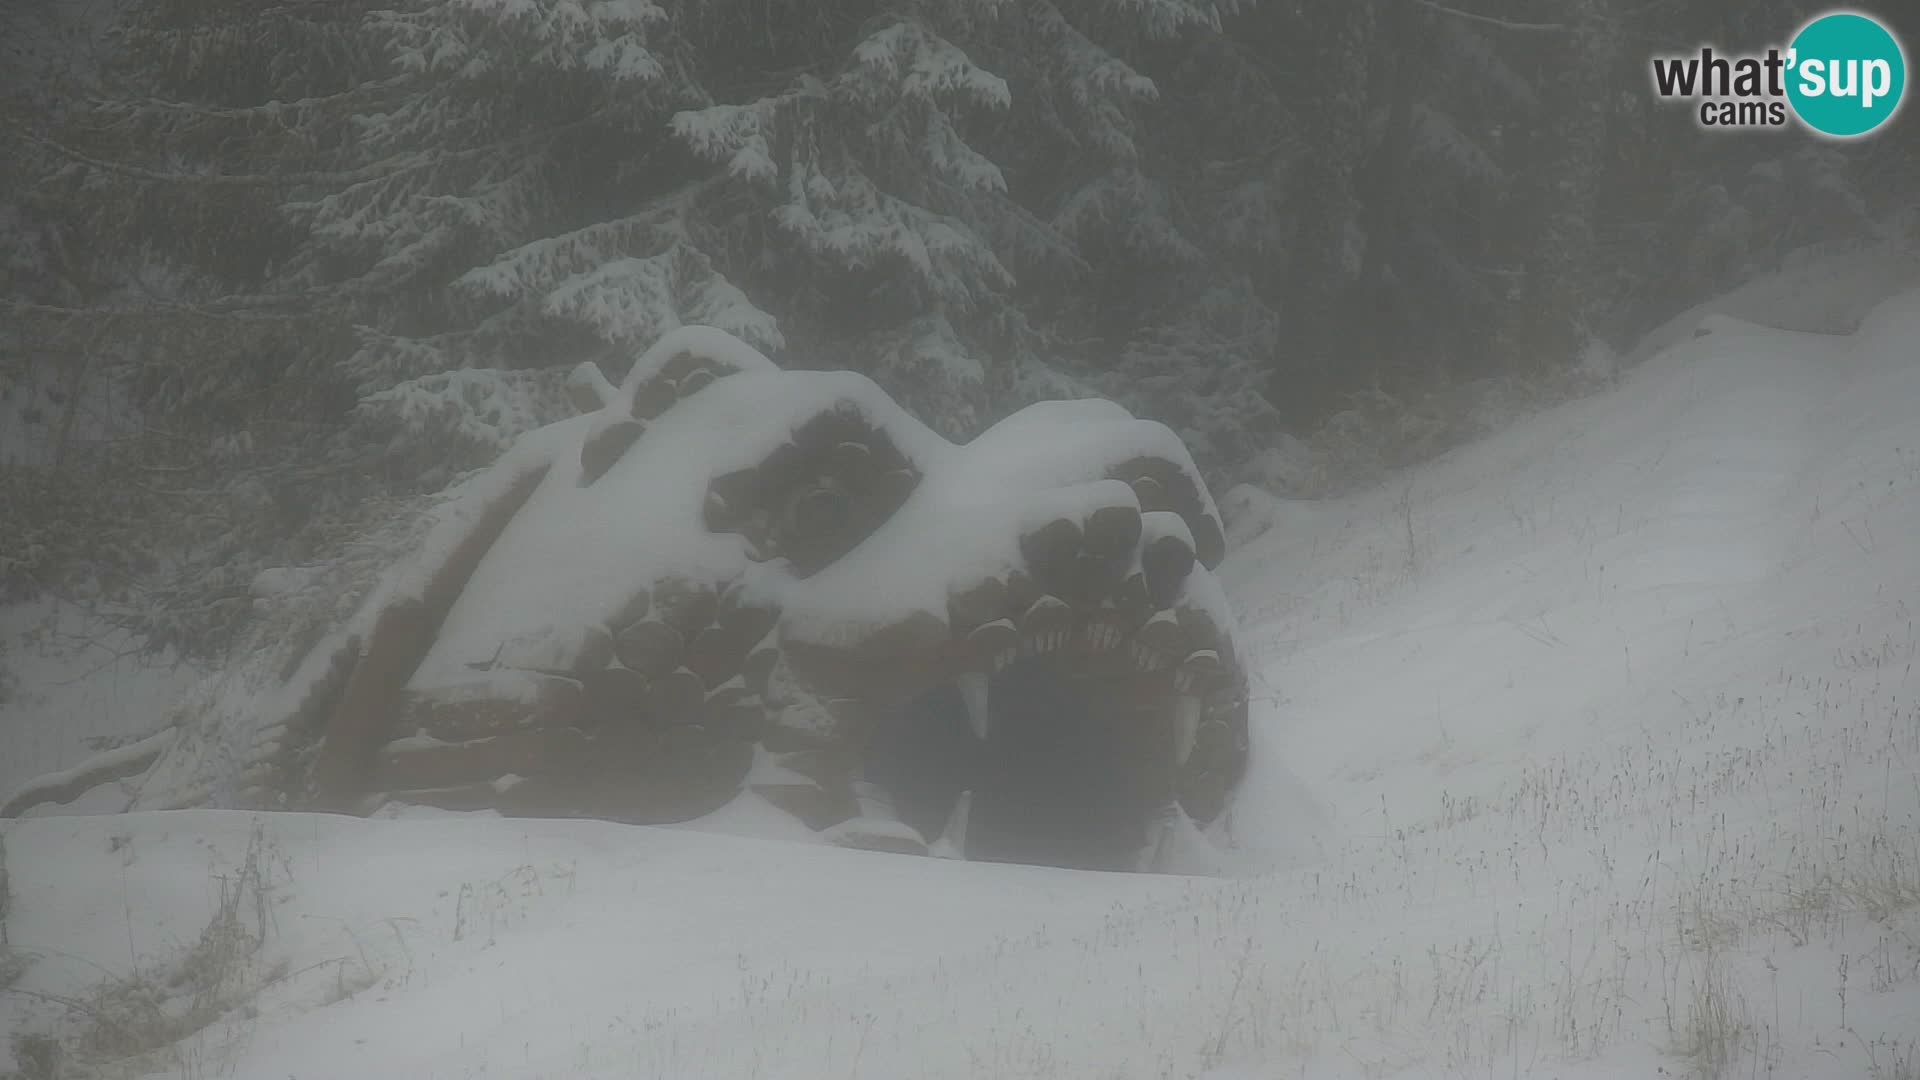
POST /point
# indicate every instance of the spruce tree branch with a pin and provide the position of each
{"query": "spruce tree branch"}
(387, 168)
(392, 166)
(267, 110)
(1491, 20)
(233, 308)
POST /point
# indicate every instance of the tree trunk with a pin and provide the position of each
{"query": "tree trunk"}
(1402, 51)
(1548, 322)
(1308, 370)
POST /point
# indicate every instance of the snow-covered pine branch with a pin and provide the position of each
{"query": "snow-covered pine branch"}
(630, 301)
(1126, 210)
(851, 222)
(743, 136)
(470, 39)
(907, 60)
(389, 167)
(1099, 85)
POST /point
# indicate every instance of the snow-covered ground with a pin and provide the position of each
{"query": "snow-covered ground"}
(1589, 750)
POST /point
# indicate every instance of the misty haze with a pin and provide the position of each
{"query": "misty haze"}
(1100, 539)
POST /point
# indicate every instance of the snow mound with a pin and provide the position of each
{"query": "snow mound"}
(577, 552)
(1814, 293)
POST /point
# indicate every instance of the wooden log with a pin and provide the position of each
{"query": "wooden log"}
(991, 644)
(819, 519)
(634, 609)
(853, 461)
(973, 605)
(1046, 626)
(918, 635)
(616, 696)
(694, 382)
(558, 650)
(1151, 494)
(1133, 596)
(715, 655)
(757, 671)
(1167, 557)
(1090, 579)
(653, 398)
(677, 697)
(415, 763)
(638, 776)
(1199, 672)
(736, 713)
(894, 485)
(732, 497)
(1209, 540)
(1022, 591)
(1201, 630)
(814, 806)
(685, 605)
(1107, 627)
(1158, 642)
(605, 445)
(1050, 549)
(1160, 484)
(745, 617)
(830, 767)
(497, 704)
(1113, 531)
(401, 635)
(784, 468)
(681, 364)
(650, 646)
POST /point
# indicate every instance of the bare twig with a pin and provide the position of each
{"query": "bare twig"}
(69, 784)
(1491, 20)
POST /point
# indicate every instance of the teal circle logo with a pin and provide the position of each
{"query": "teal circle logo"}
(1846, 74)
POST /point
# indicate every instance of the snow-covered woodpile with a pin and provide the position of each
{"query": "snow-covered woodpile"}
(728, 581)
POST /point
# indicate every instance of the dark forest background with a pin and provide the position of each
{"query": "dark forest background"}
(272, 272)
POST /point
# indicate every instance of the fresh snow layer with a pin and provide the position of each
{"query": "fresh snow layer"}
(965, 520)
(1590, 750)
(576, 554)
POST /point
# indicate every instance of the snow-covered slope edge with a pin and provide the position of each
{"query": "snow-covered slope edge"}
(1613, 722)
(1617, 716)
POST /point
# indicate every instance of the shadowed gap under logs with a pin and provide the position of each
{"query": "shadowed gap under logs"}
(1067, 776)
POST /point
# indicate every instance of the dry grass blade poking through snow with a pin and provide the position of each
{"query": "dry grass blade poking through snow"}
(157, 1004)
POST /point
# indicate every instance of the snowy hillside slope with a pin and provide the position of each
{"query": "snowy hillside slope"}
(1812, 291)
(1590, 750)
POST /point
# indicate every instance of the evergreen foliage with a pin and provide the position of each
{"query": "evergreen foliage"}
(274, 272)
